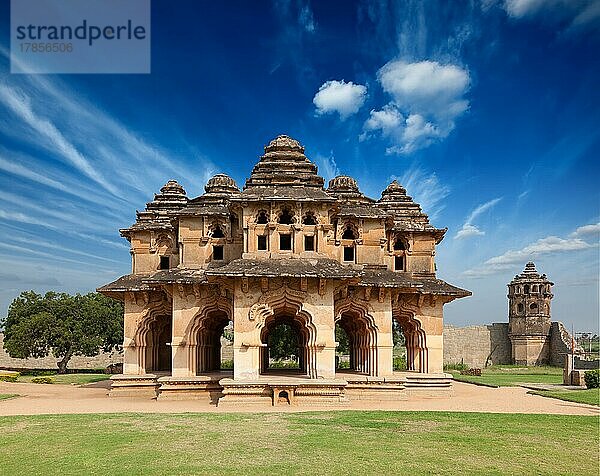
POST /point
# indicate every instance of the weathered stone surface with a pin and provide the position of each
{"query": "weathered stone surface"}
(284, 250)
(473, 345)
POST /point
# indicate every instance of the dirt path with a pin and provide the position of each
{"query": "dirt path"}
(38, 399)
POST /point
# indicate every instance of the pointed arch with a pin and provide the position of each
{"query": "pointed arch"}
(354, 317)
(405, 313)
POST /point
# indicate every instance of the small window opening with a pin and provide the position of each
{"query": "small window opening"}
(286, 217)
(309, 243)
(399, 263)
(348, 253)
(520, 308)
(165, 262)
(262, 218)
(399, 245)
(218, 253)
(285, 242)
(533, 307)
(218, 233)
(262, 243)
(348, 234)
(534, 288)
(527, 289)
(309, 219)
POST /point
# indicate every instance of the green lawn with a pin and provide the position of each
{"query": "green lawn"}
(507, 376)
(6, 396)
(78, 379)
(591, 396)
(299, 443)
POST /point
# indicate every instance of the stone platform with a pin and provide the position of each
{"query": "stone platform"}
(280, 389)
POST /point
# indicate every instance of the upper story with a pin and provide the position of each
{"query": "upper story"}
(283, 211)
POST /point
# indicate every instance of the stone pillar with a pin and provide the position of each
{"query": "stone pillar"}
(321, 310)
(384, 350)
(185, 309)
(132, 355)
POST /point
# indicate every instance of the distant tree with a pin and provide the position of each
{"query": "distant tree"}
(283, 342)
(61, 324)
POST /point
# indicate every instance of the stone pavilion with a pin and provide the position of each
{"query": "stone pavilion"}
(284, 249)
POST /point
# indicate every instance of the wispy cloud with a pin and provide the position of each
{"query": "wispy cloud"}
(426, 189)
(328, 167)
(71, 175)
(20, 104)
(469, 229)
(549, 245)
(579, 14)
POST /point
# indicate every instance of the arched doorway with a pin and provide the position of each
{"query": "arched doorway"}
(158, 345)
(361, 337)
(414, 342)
(290, 337)
(206, 342)
(285, 345)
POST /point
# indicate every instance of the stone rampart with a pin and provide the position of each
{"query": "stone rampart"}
(473, 345)
(77, 362)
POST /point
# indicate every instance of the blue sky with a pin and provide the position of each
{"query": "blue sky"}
(488, 112)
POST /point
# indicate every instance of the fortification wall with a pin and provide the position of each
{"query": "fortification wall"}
(78, 362)
(560, 344)
(101, 361)
(473, 344)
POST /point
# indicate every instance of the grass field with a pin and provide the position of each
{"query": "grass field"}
(591, 396)
(507, 376)
(6, 396)
(78, 379)
(299, 443)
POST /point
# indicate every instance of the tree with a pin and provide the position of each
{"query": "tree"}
(61, 324)
(283, 342)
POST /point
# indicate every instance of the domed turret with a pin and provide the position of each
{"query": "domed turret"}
(345, 189)
(171, 197)
(407, 214)
(284, 143)
(284, 163)
(220, 184)
(343, 183)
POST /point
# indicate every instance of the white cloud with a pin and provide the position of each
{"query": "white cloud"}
(341, 97)
(545, 246)
(426, 87)
(389, 120)
(579, 13)
(427, 97)
(586, 230)
(426, 189)
(468, 231)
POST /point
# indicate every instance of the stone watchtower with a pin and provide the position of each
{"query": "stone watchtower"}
(529, 296)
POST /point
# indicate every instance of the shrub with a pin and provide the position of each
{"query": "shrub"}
(9, 378)
(42, 380)
(399, 363)
(474, 372)
(38, 373)
(227, 365)
(279, 364)
(592, 378)
(457, 366)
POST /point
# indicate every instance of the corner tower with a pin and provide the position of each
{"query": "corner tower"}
(529, 296)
